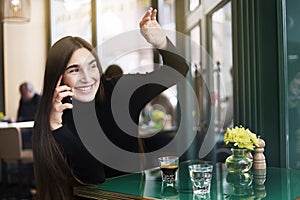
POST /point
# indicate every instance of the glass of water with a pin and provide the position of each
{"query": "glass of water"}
(201, 175)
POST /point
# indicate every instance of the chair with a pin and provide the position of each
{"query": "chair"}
(11, 152)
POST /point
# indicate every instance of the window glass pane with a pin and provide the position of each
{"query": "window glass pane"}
(116, 19)
(195, 37)
(198, 73)
(72, 17)
(194, 4)
(167, 19)
(222, 56)
(293, 84)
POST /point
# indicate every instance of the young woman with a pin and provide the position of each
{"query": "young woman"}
(73, 70)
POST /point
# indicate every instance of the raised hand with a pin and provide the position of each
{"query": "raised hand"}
(61, 91)
(152, 31)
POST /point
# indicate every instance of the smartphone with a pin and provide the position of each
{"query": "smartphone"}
(67, 99)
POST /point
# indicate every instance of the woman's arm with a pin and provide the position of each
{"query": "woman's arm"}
(172, 71)
(131, 92)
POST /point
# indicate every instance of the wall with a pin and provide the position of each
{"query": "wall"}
(25, 48)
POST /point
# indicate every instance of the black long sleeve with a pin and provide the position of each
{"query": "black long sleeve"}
(87, 168)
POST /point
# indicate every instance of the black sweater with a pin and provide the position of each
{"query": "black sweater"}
(84, 165)
(27, 110)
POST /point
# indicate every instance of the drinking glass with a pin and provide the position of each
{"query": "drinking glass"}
(201, 175)
(169, 167)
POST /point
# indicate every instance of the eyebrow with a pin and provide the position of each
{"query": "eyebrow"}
(76, 65)
(72, 66)
(92, 61)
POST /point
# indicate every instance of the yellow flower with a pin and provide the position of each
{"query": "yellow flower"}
(241, 138)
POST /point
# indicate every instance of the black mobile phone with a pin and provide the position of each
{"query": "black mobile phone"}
(67, 99)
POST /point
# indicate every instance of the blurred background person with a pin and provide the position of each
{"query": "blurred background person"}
(26, 112)
(28, 102)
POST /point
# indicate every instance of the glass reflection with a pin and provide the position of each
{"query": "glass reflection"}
(293, 82)
(169, 191)
(201, 196)
(250, 185)
(241, 185)
(259, 178)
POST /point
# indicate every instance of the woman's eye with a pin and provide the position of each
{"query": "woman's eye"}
(94, 65)
(73, 70)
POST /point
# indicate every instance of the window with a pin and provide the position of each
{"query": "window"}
(293, 83)
(71, 17)
(222, 57)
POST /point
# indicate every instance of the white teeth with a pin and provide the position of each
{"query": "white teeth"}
(85, 88)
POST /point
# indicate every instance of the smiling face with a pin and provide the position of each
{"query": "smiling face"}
(82, 75)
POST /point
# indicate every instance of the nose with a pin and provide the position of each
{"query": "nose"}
(85, 76)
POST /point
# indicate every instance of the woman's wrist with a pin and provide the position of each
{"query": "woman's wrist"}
(163, 44)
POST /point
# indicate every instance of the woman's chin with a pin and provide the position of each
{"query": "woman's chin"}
(84, 98)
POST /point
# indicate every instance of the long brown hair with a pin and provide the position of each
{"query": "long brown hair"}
(54, 178)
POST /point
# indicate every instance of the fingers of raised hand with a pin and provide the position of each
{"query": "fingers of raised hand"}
(149, 15)
(148, 12)
(144, 21)
(153, 14)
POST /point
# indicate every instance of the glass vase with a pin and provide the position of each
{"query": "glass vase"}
(238, 161)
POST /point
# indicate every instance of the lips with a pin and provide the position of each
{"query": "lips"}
(85, 88)
(86, 92)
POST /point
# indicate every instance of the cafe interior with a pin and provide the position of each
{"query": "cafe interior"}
(243, 58)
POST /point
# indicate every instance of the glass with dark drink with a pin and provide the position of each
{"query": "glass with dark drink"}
(169, 167)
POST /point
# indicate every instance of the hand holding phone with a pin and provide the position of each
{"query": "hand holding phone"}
(61, 101)
(67, 99)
